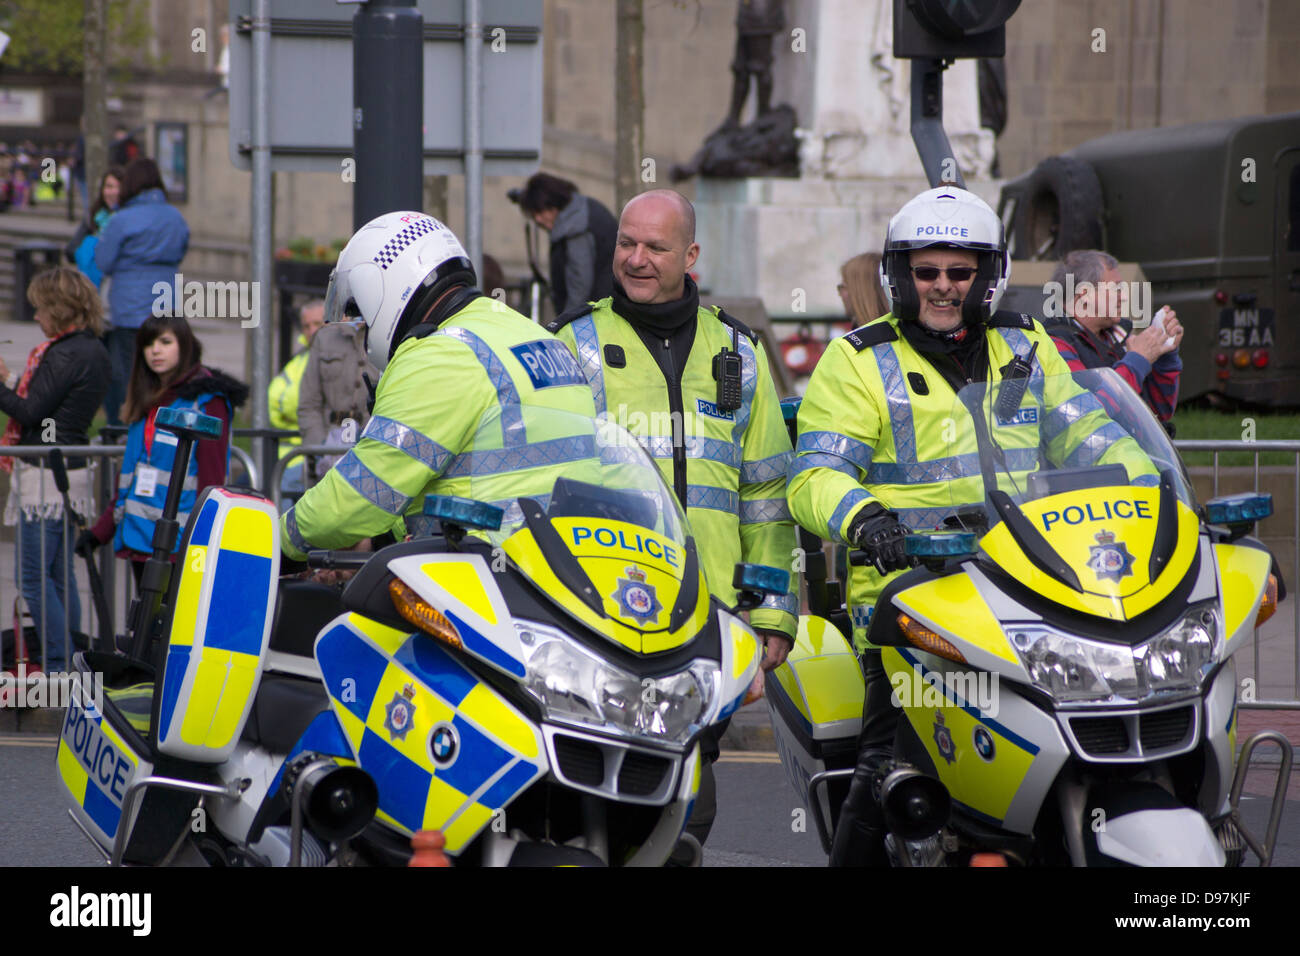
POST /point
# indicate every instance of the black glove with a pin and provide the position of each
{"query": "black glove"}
(878, 533)
(86, 543)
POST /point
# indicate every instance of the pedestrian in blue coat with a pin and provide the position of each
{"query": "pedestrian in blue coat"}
(140, 250)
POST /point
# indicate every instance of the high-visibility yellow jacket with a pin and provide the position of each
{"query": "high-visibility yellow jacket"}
(879, 423)
(735, 461)
(428, 407)
(282, 395)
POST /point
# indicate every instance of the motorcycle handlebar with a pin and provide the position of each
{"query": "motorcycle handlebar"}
(338, 560)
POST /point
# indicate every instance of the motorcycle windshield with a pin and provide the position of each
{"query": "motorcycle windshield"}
(586, 510)
(1073, 486)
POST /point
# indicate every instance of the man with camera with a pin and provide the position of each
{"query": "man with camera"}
(582, 239)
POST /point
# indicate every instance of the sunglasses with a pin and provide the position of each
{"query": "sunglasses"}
(955, 273)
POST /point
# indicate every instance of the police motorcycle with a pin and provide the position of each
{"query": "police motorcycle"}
(1062, 658)
(528, 674)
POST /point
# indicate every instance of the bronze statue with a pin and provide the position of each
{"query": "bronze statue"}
(767, 146)
(757, 23)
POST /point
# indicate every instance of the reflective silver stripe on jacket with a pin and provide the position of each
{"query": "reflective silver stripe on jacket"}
(850, 501)
(409, 441)
(588, 342)
(512, 422)
(717, 499)
(370, 486)
(759, 510)
(782, 602)
(945, 469)
(295, 536)
(765, 469)
(748, 383)
(1088, 451)
(1067, 413)
(554, 451)
(709, 449)
(817, 459)
(851, 450)
(900, 406)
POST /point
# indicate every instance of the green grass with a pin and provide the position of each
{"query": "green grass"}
(1205, 423)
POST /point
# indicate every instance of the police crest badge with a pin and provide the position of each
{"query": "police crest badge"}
(943, 739)
(637, 598)
(399, 713)
(1110, 559)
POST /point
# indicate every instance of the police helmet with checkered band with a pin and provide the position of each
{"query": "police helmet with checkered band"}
(946, 218)
(389, 274)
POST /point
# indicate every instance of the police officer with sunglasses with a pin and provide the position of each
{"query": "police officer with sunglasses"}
(878, 452)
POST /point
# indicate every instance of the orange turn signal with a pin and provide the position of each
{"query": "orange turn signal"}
(925, 639)
(1268, 606)
(422, 614)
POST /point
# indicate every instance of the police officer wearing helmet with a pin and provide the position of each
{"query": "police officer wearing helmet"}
(874, 459)
(448, 355)
(714, 425)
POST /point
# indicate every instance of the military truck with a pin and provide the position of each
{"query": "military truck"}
(1211, 213)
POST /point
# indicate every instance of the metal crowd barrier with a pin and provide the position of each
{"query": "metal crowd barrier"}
(277, 489)
(103, 462)
(1256, 449)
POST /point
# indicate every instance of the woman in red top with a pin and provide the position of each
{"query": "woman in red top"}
(167, 371)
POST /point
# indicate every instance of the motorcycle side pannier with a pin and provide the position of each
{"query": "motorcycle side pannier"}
(815, 702)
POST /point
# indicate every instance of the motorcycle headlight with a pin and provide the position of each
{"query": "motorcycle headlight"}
(1075, 669)
(1181, 656)
(575, 685)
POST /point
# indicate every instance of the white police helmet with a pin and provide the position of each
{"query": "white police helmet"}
(950, 218)
(390, 272)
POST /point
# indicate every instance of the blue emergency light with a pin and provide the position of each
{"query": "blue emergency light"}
(940, 544)
(790, 408)
(761, 577)
(188, 420)
(465, 512)
(1242, 509)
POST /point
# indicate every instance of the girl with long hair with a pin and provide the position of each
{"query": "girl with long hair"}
(167, 373)
(80, 249)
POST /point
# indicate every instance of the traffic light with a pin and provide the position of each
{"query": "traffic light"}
(951, 29)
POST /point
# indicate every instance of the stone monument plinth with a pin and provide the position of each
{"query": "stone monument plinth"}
(783, 239)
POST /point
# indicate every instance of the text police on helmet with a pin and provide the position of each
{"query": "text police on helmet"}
(947, 217)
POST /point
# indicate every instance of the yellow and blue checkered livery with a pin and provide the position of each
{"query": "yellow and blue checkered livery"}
(221, 626)
(445, 750)
(96, 766)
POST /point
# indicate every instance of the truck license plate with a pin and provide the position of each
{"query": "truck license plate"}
(1245, 328)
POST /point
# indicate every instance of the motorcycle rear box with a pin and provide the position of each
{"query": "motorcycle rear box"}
(224, 602)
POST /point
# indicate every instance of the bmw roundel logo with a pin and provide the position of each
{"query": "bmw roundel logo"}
(984, 743)
(444, 742)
